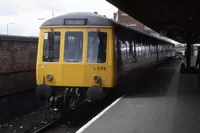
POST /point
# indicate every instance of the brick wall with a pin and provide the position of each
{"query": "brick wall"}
(17, 63)
(16, 82)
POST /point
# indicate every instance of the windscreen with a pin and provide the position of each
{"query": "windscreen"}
(73, 47)
(51, 49)
(97, 46)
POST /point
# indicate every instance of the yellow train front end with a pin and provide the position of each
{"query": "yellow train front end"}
(74, 62)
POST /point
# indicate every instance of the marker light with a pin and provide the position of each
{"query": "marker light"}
(97, 78)
(49, 77)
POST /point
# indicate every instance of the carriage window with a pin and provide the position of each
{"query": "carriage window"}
(73, 47)
(124, 50)
(51, 49)
(130, 48)
(135, 50)
(97, 46)
(138, 48)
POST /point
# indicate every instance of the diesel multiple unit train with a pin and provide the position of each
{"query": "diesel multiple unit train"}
(85, 56)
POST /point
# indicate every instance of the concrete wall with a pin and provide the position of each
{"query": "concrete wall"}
(17, 63)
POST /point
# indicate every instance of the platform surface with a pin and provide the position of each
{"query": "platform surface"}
(171, 104)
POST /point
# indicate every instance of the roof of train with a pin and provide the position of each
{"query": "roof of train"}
(94, 20)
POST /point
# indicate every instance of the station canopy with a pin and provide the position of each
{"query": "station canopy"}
(176, 19)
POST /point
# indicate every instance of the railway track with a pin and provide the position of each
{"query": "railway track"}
(82, 116)
(48, 126)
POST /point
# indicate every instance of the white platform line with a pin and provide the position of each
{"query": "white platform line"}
(98, 116)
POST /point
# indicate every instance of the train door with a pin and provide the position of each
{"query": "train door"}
(118, 56)
(99, 57)
(48, 57)
(73, 61)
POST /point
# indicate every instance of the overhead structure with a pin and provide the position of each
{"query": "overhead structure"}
(176, 19)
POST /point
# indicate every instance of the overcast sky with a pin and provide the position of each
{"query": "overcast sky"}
(25, 13)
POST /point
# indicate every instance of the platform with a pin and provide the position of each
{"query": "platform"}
(171, 104)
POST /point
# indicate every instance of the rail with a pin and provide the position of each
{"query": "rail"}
(48, 126)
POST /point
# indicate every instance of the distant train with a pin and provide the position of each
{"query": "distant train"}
(85, 56)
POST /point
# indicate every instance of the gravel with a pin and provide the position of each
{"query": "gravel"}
(31, 121)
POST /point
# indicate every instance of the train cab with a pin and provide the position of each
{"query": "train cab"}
(75, 54)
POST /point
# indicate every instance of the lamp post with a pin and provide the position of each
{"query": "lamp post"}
(7, 27)
(52, 14)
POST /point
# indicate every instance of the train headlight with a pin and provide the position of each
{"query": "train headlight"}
(97, 78)
(49, 77)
